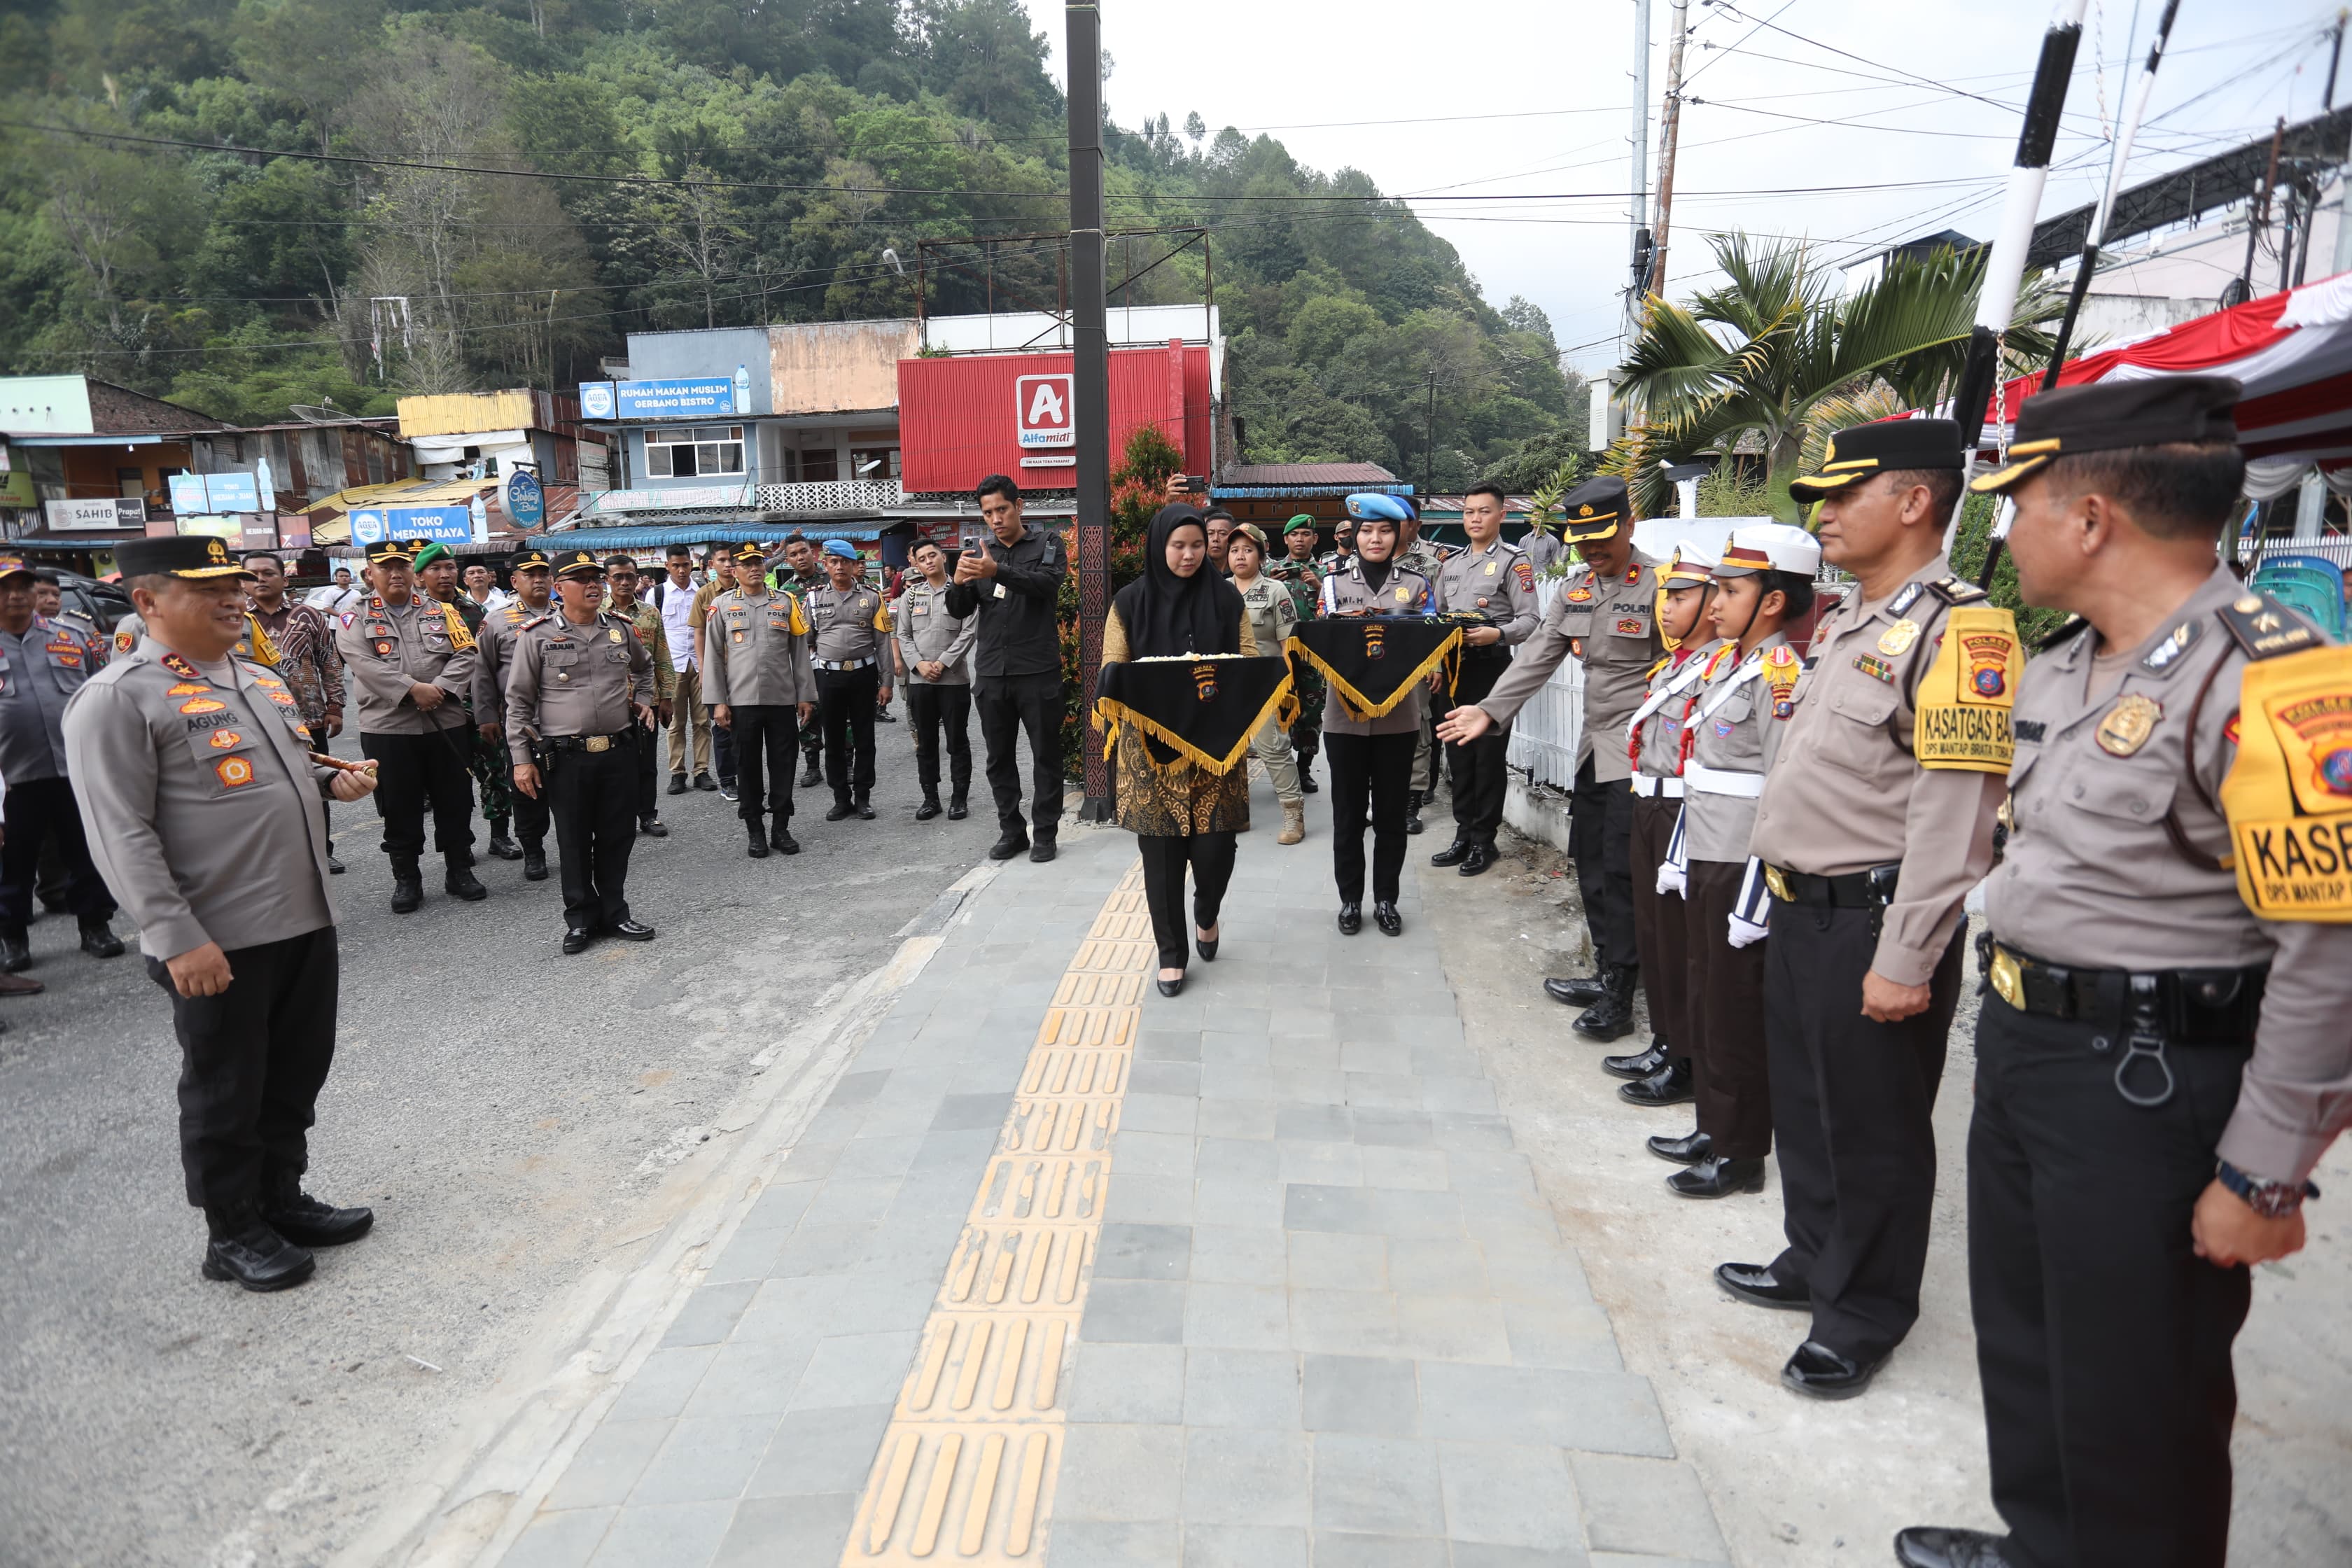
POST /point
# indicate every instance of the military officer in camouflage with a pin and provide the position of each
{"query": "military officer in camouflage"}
(501, 628)
(1303, 575)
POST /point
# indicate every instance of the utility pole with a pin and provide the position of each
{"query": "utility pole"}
(2258, 217)
(1639, 184)
(1429, 437)
(1091, 379)
(1668, 139)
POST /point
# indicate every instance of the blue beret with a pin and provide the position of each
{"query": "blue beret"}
(1372, 504)
(841, 547)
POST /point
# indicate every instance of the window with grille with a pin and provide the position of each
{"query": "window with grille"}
(885, 458)
(689, 452)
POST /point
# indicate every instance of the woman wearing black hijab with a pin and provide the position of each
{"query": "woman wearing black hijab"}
(1183, 816)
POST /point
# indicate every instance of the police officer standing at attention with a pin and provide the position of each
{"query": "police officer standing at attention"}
(1014, 584)
(1494, 579)
(2165, 1054)
(807, 575)
(851, 660)
(935, 651)
(1872, 825)
(582, 688)
(760, 688)
(501, 628)
(1606, 615)
(201, 799)
(408, 668)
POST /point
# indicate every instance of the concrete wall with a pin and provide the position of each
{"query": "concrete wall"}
(836, 367)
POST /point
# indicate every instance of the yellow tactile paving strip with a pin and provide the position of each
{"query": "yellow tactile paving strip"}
(966, 1470)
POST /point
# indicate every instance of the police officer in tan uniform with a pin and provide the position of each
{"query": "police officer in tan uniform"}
(1606, 615)
(1492, 578)
(2164, 1053)
(1874, 824)
(851, 660)
(760, 690)
(582, 687)
(534, 584)
(934, 653)
(408, 668)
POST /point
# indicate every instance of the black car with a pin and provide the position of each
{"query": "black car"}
(103, 603)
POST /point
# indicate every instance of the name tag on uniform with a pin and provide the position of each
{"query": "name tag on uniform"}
(919, 609)
(1000, 590)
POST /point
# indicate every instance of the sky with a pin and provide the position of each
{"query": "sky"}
(1526, 105)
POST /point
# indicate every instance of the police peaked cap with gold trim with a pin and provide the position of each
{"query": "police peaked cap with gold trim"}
(15, 565)
(1853, 454)
(579, 563)
(1594, 510)
(1769, 547)
(2109, 415)
(749, 550)
(192, 555)
(530, 561)
(385, 551)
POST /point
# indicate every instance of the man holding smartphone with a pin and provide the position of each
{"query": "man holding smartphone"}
(1012, 582)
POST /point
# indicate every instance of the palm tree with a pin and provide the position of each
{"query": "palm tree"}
(1777, 352)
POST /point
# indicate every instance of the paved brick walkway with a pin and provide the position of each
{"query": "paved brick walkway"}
(1067, 1272)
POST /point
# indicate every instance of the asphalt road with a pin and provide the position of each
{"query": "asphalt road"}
(502, 1107)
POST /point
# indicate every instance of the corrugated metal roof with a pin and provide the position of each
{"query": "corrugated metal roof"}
(1363, 476)
(1283, 492)
(655, 537)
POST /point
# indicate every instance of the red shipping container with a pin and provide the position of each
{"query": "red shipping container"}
(964, 418)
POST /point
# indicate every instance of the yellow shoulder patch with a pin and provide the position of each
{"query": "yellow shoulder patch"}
(1964, 700)
(2289, 794)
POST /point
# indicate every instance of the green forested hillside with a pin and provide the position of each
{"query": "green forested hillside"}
(644, 165)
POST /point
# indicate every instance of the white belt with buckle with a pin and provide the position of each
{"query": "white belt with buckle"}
(1648, 788)
(1723, 781)
(841, 663)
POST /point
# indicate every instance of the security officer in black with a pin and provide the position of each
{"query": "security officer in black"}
(1014, 584)
(580, 680)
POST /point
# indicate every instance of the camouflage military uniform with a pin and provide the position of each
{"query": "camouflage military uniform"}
(1306, 731)
(811, 736)
(1424, 558)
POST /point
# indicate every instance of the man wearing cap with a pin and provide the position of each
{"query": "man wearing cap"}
(502, 628)
(201, 800)
(42, 665)
(408, 668)
(1303, 575)
(621, 599)
(720, 578)
(1606, 615)
(580, 717)
(1872, 825)
(934, 652)
(1014, 584)
(756, 647)
(806, 566)
(850, 654)
(1298, 559)
(1492, 578)
(437, 579)
(2164, 1055)
(307, 659)
(1343, 547)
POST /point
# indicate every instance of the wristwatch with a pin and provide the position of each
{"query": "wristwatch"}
(2271, 1200)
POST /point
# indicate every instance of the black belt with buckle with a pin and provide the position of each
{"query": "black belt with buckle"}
(2193, 1006)
(586, 742)
(1854, 890)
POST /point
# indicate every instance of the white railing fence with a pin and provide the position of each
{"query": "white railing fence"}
(1544, 735)
(829, 495)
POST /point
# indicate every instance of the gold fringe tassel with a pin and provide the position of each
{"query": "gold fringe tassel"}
(1364, 708)
(1114, 712)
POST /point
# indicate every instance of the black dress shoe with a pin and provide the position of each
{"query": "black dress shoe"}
(928, 810)
(1638, 1066)
(1818, 1372)
(99, 939)
(704, 781)
(256, 1257)
(1352, 918)
(653, 827)
(1385, 916)
(1757, 1286)
(307, 1221)
(1206, 947)
(1306, 784)
(1480, 860)
(576, 940)
(1452, 854)
(15, 949)
(460, 882)
(1041, 851)
(1170, 987)
(1715, 1178)
(631, 931)
(504, 847)
(782, 839)
(1670, 1085)
(1935, 1546)
(334, 867)
(1687, 1150)
(535, 862)
(958, 810)
(677, 783)
(865, 811)
(1011, 844)
(1576, 991)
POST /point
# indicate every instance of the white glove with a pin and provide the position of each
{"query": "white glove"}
(1674, 870)
(1751, 917)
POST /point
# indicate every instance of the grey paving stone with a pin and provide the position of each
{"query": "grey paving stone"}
(1308, 1085)
(819, 1453)
(855, 1369)
(1335, 1549)
(857, 1087)
(835, 1124)
(1417, 1214)
(1452, 1328)
(1376, 1056)
(1399, 1128)
(967, 1150)
(850, 1200)
(1236, 1118)
(1148, 1200)
(1320, 1164)
(1143, 1252)
(780, 1207)
(1140, 1112)
(1182, 1078)
(1242, 1159)
(709, 1313)
(1321, 1052)
(1257, 1389)
(1240, 1255)
(1092, 1543)
(1230, 1081)
(1133, 1385)
(1377, 1485)
(1331, 1208)
(1373, 1396)
(874, 1300)
(823, 1249)
(1424, 1169)
(1139, 1153)
(1629, 1560)
(1384, 1091)
(768, 1531)
(1300, 1020)
(1474, 1095)
(660, 1386)
(1481, 1554)
(1130, 1474)
(705, 1460)
(1238, 1317)
(1564, 1333)
(1244, 1546)
(1236, 1476)
(1337, 1261)
(1469, 1130)
(1314, 1123)
(870, 1157)
(753, 1378)
(1505, 1171)
(809, 1161)
(1167, 1046)
(1425, 1265)
(608, 1464)
(1512, 1493)
(1221, 1199)
(789, 1309)
(559, 1540)
(970, 1112)
(1134, 1312)
(944, 1190)
(1653, 1506)
(1458, 1061)
(672, 1535)
(1343, 1322)
(1526, 1271)
(1229, 1046)
(913, 1115)
(1603, 1412)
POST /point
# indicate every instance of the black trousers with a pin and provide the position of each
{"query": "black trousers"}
(1478, 767)
(723, 752)
(1852, 1107)
(252, 1060)
(845, 701)
(1370, 776)
(1166, 857)
(2103, 1341)
(41, 813)
(932, 707)
(1009, 705)
(592, 798)
(1600, 842)
(1725, 1008)
(762, 740)
(412, 771)
(1659, 928)
(648, 748)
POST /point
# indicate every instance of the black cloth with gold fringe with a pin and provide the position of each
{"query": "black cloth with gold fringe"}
(1197, 709)
(1373, 661)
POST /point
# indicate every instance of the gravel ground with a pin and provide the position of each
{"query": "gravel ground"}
(505, 1108)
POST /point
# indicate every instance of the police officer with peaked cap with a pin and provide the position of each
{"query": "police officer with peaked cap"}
(200, 796)
(758, 682)
(582, 682)
(532, 574)
(2165, 1052)
(935, 653)
(1875, 820)
(1606, 615)
(1494, 578)
(851, 656)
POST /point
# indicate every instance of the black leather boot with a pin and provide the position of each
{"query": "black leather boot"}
(930, 806)
(1413, 811)
(98, 937)
(1576, 990)
(407, 885)
(840, 811)
(1611, 1017)
(864, 807)
(1012, 842)
(1715, 1178)
(959, 807)
(15, 949)
(779, 837)
(1640, 1066)
(810, 776)
(1933, 1546)
(758, 847)
(458, 881)
(1480, 859)
(245, 1248)
(304, 1220)
(1670, 1085)
(534, 860)
(503, 846)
